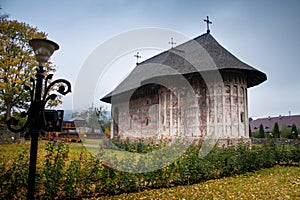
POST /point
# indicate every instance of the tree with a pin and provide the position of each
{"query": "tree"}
(276, 133)
(261, 133)
(285, 132)
(95, 117)
(107, 132)
(105, 125)
(294, 132)
(17, 64)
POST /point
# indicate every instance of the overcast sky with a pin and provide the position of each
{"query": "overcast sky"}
(264, 34)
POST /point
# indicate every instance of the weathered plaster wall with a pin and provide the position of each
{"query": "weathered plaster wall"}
(216, 108)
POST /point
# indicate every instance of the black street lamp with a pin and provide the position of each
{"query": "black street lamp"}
(43, 50)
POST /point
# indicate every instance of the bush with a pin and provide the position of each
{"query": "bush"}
(84, 177)
(13, 181)
(139, 145)
(285, 132)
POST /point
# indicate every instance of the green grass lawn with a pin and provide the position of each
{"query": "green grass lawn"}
(9, 152)
(274, 183)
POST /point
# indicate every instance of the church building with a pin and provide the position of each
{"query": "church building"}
(194, 89)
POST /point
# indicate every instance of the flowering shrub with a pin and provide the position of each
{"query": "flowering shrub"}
(59, 177)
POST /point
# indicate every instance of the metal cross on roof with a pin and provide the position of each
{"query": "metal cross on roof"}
(172, 43)
(208, 22)
(137, 57)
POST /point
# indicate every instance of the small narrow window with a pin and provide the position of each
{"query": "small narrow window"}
(130, 124)
(147, 121)
(242, 117)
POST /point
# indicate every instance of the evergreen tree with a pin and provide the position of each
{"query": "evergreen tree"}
(294, 132)
(261, 133)
(276, 133)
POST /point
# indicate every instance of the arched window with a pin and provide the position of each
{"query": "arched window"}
(235, 90)
(227, 89)
(242, 92)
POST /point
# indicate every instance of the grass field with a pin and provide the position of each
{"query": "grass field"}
(9, 152)
(275, 183)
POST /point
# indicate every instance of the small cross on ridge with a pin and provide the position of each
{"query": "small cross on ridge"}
(207, 22)
(137, 57)
(171, 43)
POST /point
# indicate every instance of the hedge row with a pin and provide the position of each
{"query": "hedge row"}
(61, 178)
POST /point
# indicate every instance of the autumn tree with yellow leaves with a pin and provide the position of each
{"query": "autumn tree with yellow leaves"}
(17, 64)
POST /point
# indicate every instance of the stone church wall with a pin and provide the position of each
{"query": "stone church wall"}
(219, 109)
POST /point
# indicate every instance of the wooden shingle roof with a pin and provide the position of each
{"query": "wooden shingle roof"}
(201, 54)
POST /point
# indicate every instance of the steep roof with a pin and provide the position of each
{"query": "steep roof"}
(225, 60)
(268, 122)
(201, 54)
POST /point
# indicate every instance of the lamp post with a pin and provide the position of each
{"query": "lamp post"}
(43, 49)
